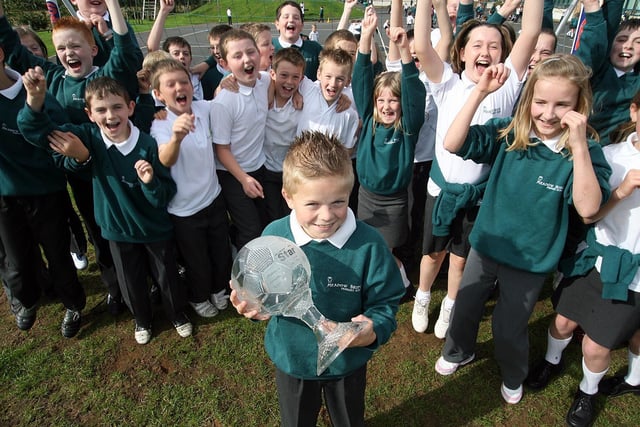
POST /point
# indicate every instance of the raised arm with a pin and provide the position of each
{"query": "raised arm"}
(155, 35)
(443, 47)
(117, 18)
(492, 79)
(346, 14)
(369, 25)
(526, 41)
(507, 8)
(395, 20)
(431, 63)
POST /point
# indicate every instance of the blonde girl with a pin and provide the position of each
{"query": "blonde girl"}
(541, 164)
(601, 291)
(390, 126)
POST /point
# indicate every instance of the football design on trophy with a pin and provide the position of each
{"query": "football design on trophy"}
(272, 274)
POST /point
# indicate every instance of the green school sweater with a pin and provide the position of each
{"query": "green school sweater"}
(385, 154)
(126, 209)
(26, 170)
(123, 64)
(611, 94)
(310, 50)
(359, 278)
(524, 215)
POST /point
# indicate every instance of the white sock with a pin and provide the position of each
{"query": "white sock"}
(424, 297)
(633, 376)
(555, 347)
(405, 279)
(448, 302)
(510, 392)
(590, 380)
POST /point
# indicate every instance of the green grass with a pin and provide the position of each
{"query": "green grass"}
(222, 377)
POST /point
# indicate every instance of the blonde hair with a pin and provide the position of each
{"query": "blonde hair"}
(166, 66)
(315, 155)
(152, 58)
(339, 57)
(387, 80)
(568, 67)
(255, 29)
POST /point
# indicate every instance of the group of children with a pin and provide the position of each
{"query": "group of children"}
(350, 167)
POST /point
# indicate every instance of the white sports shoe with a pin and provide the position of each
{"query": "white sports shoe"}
(204, 308)
(442, 324)
(420, 315)
(80, 261)
(142, 335)
(220, 300)
(447, 368)
(511, 396)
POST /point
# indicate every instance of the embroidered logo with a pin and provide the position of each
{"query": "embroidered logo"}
(342, 286)
(393, 140)
(548, 185)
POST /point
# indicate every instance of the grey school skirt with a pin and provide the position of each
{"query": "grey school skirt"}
(387, 214)
(607, 322)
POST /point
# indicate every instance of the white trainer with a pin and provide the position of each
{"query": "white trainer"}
(447, 368)
(420, 315)
(442, 324)
(220, 300)
(511, 396)
(80, 261)
(204, 308)
(142, 335)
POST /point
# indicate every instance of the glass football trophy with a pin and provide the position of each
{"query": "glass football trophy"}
(272, 274)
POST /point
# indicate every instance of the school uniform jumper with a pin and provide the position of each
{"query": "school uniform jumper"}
(612, 93)
(132, 215)
(517, 238)
(33, 208)
(352, 273)
(385, 154)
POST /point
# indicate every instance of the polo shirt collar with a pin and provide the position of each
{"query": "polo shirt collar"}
(124, 147)
(337, 239)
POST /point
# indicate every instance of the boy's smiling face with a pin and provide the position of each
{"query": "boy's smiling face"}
(289, 24)
(320, 204)
(111, 114)
(89, 7)
(181, 53)
(625, 51)
(175, 91)
(333, 79)
(243, 60)
(74, 51)
(286, 80)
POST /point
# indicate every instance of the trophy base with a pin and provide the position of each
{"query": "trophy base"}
(332, 343)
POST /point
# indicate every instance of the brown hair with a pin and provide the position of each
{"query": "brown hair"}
(462, 38)
(623, 130)
(100, 87)
(166, 66)
(337, 56)
(291, 55)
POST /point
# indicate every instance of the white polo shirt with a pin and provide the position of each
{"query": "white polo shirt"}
(280, 130)
(239, 119)
(450, 95)
(317, 115)
(195, 170)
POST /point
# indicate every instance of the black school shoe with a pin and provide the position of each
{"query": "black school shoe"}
(582, 412)
(70, 324)
(617, 386)
(25, 317)
(115, 306)
(542, 373)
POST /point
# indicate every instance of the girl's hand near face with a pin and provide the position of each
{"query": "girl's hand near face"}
(577, 125)
(493, 78)
(629, 184)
